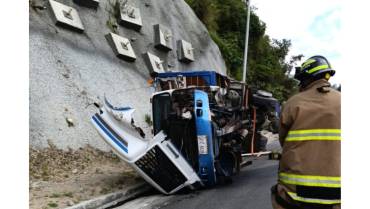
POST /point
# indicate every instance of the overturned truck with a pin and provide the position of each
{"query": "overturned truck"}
(203, 123)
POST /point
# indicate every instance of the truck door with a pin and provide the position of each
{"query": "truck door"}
(204, 136)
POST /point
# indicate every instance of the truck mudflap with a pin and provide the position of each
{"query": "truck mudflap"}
(157, 160)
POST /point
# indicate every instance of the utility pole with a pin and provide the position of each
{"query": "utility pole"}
(245, 62)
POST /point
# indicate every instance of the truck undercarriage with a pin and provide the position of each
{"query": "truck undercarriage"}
(202, 124)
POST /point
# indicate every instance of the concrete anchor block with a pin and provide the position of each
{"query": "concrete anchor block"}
(121, 47)
(130, 17)
(162, 38)
(66, 16)
(154, 63)
(185, 51)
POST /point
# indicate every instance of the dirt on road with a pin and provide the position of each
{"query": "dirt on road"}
(59, 178)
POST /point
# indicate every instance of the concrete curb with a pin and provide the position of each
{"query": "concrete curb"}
(113, 198)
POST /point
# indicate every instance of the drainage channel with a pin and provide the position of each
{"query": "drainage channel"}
(149, 191)
(150, 199)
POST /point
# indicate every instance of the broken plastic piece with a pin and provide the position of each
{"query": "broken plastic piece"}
(70, 122)
(123, 114)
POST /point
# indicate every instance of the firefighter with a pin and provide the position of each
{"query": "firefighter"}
(310, 135)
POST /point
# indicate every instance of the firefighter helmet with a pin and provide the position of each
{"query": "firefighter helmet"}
(314, 68)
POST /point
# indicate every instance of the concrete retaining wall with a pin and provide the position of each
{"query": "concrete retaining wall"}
(69, 71)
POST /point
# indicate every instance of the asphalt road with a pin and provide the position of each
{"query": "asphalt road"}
(249, 190)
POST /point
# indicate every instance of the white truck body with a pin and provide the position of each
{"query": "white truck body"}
(158, 161)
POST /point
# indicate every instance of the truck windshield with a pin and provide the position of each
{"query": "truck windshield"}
(161, 110)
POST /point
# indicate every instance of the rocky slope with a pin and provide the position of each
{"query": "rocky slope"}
(69, 70)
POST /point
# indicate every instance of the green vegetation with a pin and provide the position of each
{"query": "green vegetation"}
(113, 9)
(267, 69)
(148, 119)
(52, 204)
(68, 194)
(55, 195)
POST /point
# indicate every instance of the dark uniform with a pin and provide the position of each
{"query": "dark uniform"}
(310, 134)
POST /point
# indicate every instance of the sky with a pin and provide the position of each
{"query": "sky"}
(313, 26)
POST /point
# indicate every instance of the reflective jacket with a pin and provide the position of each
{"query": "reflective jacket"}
(310, 135)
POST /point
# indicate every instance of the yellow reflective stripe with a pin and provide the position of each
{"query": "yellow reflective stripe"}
(332, 178)
(307, 138)
(312, 184)
(305, 180)
(320, 67)
(314, 134)
(315, 131)
(294, 196)
(308, 62)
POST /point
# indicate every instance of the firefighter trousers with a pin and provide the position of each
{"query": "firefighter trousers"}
(280, 200)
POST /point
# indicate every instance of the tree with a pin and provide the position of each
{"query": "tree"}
(267, 68)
